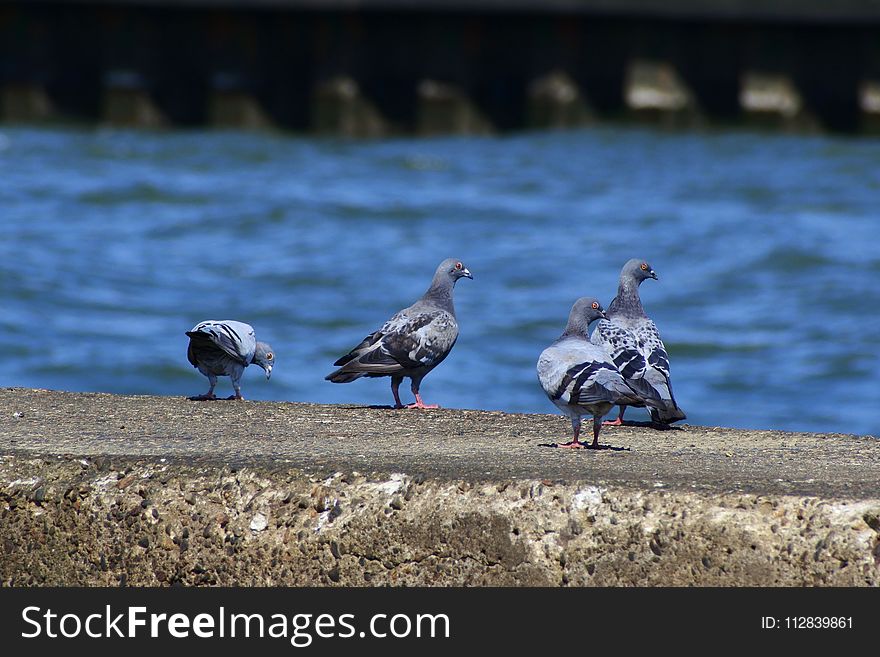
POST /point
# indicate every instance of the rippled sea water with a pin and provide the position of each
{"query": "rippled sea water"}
(767, 246)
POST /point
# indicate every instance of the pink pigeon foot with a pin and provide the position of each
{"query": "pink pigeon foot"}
(420, 404)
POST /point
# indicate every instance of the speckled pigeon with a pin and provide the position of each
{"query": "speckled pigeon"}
(225, 348)
(633, 341)
(579, 377)
(413, 342)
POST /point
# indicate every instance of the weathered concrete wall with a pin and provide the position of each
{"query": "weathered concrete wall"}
(100, 489)
(144, 522)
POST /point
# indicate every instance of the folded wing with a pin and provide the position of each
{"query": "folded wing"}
(235, 339)
(411, 340)
(581, 374)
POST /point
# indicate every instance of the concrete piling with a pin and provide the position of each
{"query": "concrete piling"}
(234, 105)
(556, 101)
(25, 101)
(655, 91)
(446, 109)
(128, 103)
(339, 107)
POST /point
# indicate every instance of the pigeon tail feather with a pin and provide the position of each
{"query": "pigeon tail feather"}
(340, 376)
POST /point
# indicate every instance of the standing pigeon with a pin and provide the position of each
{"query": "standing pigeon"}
(225, 348)
(579, 377)
(633, 341)
(412, 342)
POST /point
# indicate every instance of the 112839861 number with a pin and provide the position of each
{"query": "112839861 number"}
(818, 622)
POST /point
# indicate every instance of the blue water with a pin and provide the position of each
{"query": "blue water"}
(767, 246)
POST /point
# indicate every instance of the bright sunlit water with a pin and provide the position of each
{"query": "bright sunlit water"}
(767, 246)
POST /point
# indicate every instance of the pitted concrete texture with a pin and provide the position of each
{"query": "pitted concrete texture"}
(107, 490)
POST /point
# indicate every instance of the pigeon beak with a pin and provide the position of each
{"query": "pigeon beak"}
(653, 275)
(467, 274)
(602, 314)
(268, 371)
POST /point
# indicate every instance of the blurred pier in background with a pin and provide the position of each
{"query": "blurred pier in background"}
(386, 67)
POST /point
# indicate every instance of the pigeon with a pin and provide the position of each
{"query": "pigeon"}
(413, 342)
(225, 348)
(580, 378)
(633, 341)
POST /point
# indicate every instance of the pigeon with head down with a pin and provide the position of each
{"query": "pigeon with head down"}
(413, 342)
(633, 341)
(226, 348)
(580, 379)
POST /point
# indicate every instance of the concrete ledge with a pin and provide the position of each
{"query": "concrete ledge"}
(99, 489)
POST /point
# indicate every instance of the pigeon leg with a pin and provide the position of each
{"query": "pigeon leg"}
(395, 384)
(415, 391)
(618, 421)
(597, 425)
(420, 404)
(236, 385)
(574, 443)
(208, 395)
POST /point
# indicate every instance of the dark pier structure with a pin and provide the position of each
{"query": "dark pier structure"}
(380, 67)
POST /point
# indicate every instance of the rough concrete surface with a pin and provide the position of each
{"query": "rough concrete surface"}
(99, 489)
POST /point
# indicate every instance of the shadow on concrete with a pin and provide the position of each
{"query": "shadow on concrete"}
(589, 447)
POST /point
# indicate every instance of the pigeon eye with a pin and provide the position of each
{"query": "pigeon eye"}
(458, 265)
(644, 266)
(269, 356)
(595, 306)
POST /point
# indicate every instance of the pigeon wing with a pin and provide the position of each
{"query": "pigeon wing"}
(407, 341)
(236, 339)
(578, 373)
(421, 340)
(652, 347)
(622, 346)
(657, 371)
(365, 344)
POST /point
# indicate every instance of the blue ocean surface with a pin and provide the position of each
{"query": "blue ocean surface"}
(767, 247)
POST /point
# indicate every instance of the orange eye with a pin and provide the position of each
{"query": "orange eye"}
(644, 266)
(595, 306)
(269, 356)
(458, 265)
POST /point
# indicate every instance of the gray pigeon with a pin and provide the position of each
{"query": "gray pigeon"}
(225, 348)
(633, 341)
(413, 342)
(579, 377)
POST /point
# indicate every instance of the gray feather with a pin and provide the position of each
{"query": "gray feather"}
(236, 339)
